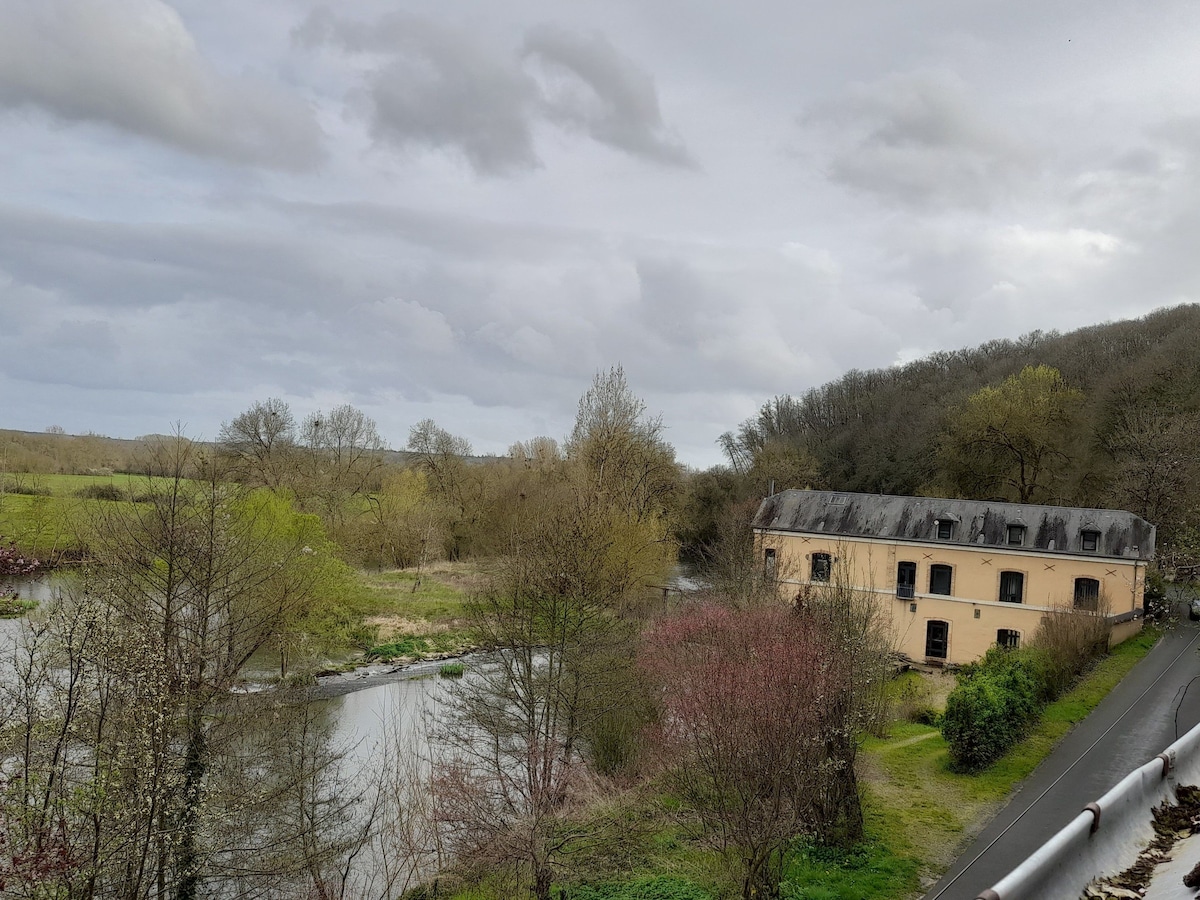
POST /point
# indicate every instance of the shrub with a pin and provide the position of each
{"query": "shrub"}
(452, 670)
(14, 486)
(999, 696)
(405, 645)
(100, 492)
(995, 700)
(1066, 643)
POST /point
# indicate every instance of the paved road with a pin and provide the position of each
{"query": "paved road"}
(1131, 726)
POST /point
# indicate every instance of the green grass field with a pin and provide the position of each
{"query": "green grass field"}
(41, 513)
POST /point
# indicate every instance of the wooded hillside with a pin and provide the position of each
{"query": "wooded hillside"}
(1111, 418)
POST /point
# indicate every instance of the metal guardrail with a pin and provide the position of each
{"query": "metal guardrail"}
(1108, 835)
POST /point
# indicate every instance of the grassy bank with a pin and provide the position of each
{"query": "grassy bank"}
(399, 612)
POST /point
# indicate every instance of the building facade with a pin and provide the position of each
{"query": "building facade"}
(955, 577)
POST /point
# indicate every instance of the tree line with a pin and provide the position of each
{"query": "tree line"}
(1106, 416)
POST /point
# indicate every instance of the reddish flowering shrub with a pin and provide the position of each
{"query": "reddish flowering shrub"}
(747, 699)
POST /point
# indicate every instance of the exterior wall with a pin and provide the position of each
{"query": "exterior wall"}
(973, 610)
(1124, 631)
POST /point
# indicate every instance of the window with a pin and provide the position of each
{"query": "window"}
(940, 578)
(769, 564)
(906, 580)
(1016, 535)
(1012, 587)
(945, 529)
(822, 563)
(1008, 638)
(1087, 594)
(1089, 540)
(937, 639)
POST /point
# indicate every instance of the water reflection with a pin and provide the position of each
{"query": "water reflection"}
(39, 587)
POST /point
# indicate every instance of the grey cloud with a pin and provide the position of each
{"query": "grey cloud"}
(437, 86)
(133, 65)
(603, 93)
(918, 139)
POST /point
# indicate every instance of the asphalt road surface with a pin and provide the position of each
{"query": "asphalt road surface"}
(1155, 703)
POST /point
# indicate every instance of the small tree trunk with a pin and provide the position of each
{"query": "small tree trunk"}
(543, 879)
(195, 766)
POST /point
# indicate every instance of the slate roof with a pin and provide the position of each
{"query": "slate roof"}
(1048, 529)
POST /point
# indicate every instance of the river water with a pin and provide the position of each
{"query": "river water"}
(366, 702)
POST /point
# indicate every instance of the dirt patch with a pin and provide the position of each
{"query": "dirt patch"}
(391, 626)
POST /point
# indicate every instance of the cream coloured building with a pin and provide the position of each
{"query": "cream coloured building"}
(954, 577)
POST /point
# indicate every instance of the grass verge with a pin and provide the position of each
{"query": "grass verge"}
(919, 811)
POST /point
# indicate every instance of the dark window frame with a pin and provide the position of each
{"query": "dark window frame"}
(945, 639)
(941, 569)
(906, 589)
(1013, 596)
(821, 568)
(1088, 536)
(944, 529)
(1087, 598)
(1009, 638)
(1017, 531)
(770, 557)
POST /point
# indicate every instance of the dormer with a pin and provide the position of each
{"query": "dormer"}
(1014, 533)
(944, 526)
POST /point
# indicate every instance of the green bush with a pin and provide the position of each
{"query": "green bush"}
(452, 670)
(659, 887)
(994, 702)
(100, 492)
(14, 486)
(406, 645)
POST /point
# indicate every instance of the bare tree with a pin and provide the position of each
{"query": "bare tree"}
(622, 448)
(442, 457)
(517, 733)
(341, 459)
(260, 443)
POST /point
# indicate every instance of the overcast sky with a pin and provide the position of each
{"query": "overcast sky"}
(463, 210)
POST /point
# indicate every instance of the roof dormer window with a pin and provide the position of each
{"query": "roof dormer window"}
(945, 529)
(1089, 541)
(1015, 535)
